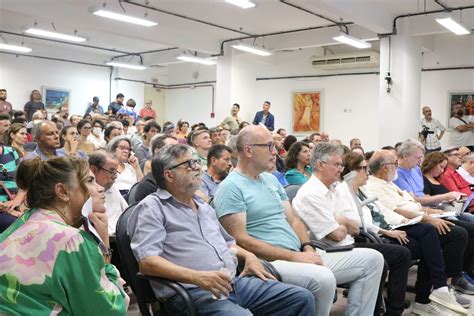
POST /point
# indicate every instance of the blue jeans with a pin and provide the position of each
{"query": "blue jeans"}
(251, 296)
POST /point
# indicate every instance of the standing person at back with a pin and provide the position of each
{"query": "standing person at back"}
(430, 131)
(34, 104)
(114, 106)
(265, 117)
(233, 120)
(148, 110)
(5, 106)
(462, 131)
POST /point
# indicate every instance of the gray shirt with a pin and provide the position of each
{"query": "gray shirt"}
(208, 185)
(163, 226)
(142, 153)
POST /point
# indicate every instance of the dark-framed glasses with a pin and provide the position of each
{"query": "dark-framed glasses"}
(270, 146)
(192, 163)
(390, 163)
(362, 168)
(112, 172)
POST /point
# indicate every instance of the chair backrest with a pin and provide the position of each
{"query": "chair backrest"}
(140, 287)
(132, 194)
(291, 191)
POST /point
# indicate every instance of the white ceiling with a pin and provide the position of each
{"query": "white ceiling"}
(370, 17)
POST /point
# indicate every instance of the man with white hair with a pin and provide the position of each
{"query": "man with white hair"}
(430, 131)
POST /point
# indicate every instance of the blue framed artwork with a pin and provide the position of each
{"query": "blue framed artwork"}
(54, 98)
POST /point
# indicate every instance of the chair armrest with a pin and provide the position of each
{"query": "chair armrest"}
(328, 248)
(270, 268)
(371, 237)
(175, 286)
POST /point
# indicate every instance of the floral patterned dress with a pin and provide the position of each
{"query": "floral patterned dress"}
(50, 268)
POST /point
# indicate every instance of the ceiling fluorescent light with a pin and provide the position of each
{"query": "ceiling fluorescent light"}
(198, 60)
(252, 49)
(129, 66)
(56, 35)
(15, 48)
(353, 41)
(244, 4)
(453, 26)
(124, 18)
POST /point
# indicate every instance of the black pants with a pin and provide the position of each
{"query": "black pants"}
(397, 261)
(468, 262)
(436, 256)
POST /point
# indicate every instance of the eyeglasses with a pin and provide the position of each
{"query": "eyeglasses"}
(362, 168)
(192, 163)
(270, 146)
(112, 172)
(391, 163)
(338, 165)
(455, 154)
(124, 148)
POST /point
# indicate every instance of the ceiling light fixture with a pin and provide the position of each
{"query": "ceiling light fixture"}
(44, 33)
(124, 18)
(244, 4)
(198, 60)
(252, 49)
(15, 48)
(453, 26)
(353, 41)
(129, 66)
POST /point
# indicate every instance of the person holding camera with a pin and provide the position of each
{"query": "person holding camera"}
(430, 131)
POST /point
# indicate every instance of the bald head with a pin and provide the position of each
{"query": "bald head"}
(252, 134)
(383, 165)
(256, 150)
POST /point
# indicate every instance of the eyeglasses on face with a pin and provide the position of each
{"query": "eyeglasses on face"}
(362, 168)
(337, 165)
(192, 163)
(390, 163)
(124, 148)
(112, 172)
(270, 146)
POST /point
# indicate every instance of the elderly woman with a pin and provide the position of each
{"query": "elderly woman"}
(298, 170)
(50, 266)
(128, 166)
(421, 239)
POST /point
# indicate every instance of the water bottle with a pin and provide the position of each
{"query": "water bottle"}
(230, 267)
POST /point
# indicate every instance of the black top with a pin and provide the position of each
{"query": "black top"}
(145, 187)
(433, 189)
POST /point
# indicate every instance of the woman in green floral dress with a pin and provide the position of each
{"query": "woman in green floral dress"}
(47, 265)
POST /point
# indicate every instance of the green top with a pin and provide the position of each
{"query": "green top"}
(50, 268)
(293, 176)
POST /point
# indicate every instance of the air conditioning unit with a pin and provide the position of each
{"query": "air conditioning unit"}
(367, 59)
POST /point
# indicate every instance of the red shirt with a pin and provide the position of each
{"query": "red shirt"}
(147, 112)
(453, 181)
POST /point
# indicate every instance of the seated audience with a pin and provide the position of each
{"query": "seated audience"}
(243, 124)
(157, 142)
(452, 180)
(318, 205)
(289, 140)
(143, 151)
(4, 126)
(17, 137)
(281, 153)
(173, 214)
(69, 139)
(95, 137)
(137, 137)
(201, 141)
(74, 120)
(297, 165)
(71, 274)
(380, 184)
(128, 167)
(169, 129)
(358, 150)
(232, 143)
(215, 134)
(84, 127)
(421, 239)
(183, 127)
(281, 132)
(218, 168)
(111, 132)
(253, 207)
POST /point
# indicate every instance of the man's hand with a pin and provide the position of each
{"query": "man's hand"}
(253, 266)
(399, 235)
(441, 225)
(217, 282)
(307, 257)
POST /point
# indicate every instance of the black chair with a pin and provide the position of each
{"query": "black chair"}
(139, 282)
(291, 191)
(132, 194)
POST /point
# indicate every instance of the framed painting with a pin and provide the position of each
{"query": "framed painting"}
(465, 98)
(54, 98)
(307, 111)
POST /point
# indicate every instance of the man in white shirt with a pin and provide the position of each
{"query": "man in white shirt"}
(318, 205)
(462, 130)
(430, 130)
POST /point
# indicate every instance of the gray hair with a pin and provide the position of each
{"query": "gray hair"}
(322, 152)
(116, 124)
(99, 158)
(165, 160)
(376, 161)
(407, 146)
(37, 128)
(232, 142)
(114, 142)
(245, 137)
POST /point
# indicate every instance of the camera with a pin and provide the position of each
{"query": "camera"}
(426, 131)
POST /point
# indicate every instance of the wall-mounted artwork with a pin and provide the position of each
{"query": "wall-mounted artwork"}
(54, 98)
(307, 111)
(466, 99)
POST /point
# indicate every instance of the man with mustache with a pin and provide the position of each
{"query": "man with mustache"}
(462, 130)
(218, 167)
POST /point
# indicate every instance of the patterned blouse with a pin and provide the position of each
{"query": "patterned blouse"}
(50, 268)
